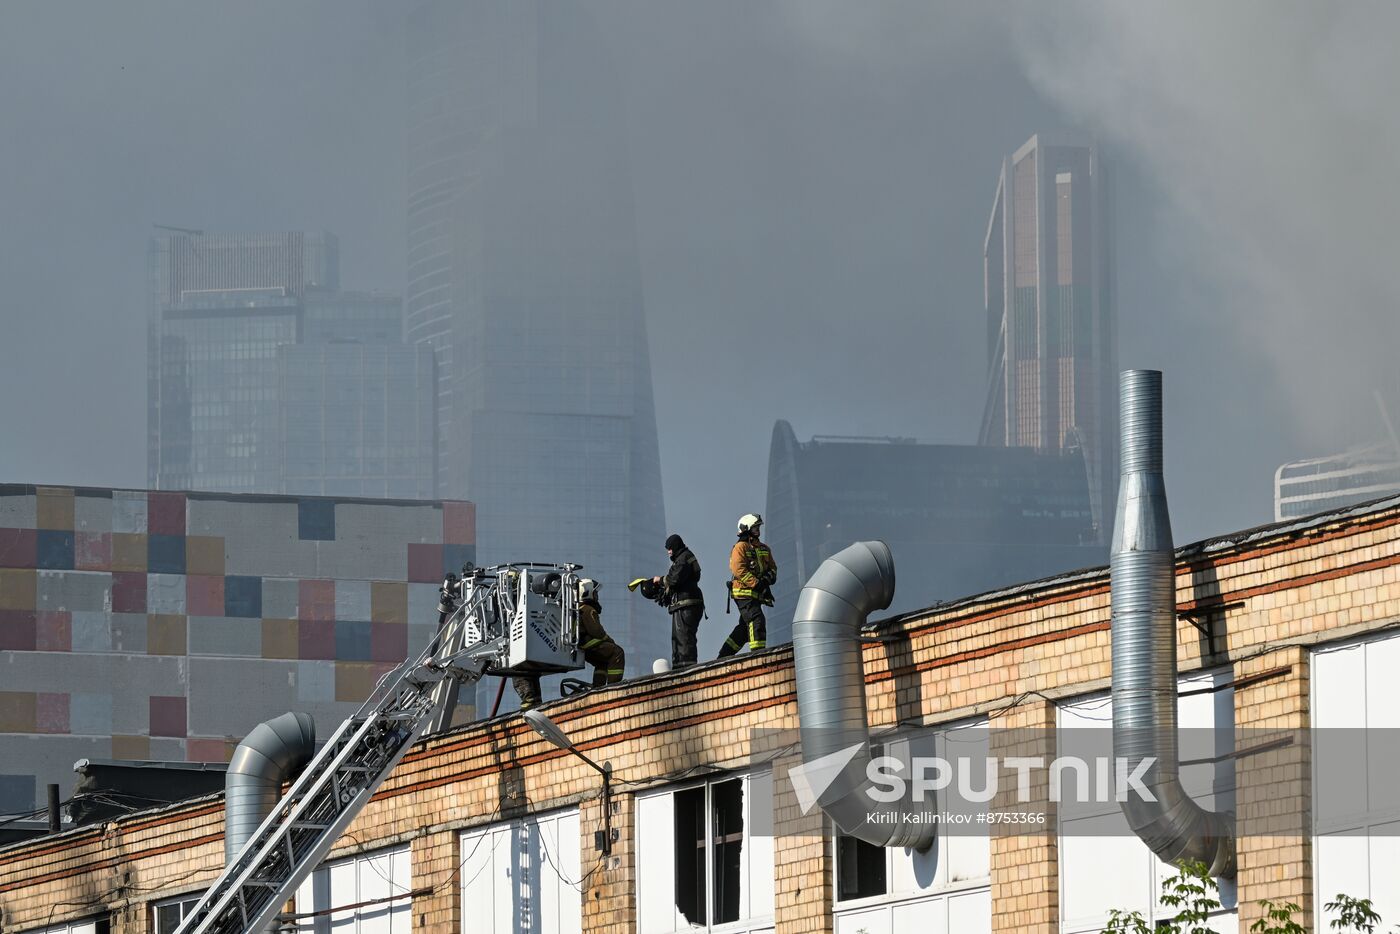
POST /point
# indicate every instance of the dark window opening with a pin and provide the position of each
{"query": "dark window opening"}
(860, 869)
(690, 854)
(727, 799)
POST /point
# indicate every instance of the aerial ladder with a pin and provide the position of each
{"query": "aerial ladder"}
(504, 620)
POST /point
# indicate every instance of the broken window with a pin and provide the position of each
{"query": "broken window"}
(727, 842)
(690, 854)
(861, 870)
(705, 856)
(709, 852)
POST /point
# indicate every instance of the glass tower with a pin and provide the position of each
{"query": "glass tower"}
(959, 519)
(266, 379)
(523, 276)
(356, 420)
(218, 389)
(183, 265)
(1051, 319)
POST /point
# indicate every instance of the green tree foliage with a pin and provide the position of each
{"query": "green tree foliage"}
(1194, 895)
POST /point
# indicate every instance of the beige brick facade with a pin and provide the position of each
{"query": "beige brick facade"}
(1265, 599)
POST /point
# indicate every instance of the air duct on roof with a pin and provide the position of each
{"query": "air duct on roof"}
(1143, 588)
(831, 610)
(268, 756)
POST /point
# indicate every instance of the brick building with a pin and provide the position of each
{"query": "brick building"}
(160, 625)
(487, 827)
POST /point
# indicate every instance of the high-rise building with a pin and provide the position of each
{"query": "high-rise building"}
(1305, 487)
(217, 386)
(355, 403)
(1051, 319)
(182, 266)
(959, 519)
(266, 379)
(523, 275)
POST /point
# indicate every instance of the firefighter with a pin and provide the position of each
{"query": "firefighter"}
(681, 595)
(754, 573)
(599, 650)
(527, 688)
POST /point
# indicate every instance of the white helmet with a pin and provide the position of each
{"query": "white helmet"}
(587, 589)
(750, 523)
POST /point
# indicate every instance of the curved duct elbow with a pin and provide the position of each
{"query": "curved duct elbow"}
(831, 610)
(269, 755)
(1143, 593)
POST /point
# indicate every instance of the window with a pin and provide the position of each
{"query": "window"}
(1355, 797)
(90, 926)
(1103, 865)
(899, 890)
(378, 883)
(524, 876)
(705, 857)
(166, 916)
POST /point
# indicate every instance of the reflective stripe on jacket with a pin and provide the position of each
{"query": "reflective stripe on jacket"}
(590, 628)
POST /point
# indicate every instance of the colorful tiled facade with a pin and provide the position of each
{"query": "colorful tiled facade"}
(164, 625)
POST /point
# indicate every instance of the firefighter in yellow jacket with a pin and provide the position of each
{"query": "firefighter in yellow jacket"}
(754, 572)
(599, 650)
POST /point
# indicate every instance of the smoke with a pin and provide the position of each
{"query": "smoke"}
(1270, 133)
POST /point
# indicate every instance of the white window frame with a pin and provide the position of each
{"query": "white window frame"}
(478, 848)
(751, 846)
(97, 925)
(1226, 918)
(1352, 830)
(395, 916)
(185, 903)
(894, 896)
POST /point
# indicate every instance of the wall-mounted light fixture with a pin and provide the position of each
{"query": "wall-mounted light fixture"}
(603, 839)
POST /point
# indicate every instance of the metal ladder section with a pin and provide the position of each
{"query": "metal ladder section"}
(342, 777)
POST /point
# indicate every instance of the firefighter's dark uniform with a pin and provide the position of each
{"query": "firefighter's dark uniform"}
(754, 573)
(683, 598)
(599, 650)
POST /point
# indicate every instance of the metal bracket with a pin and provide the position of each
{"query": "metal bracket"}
(1205, 618)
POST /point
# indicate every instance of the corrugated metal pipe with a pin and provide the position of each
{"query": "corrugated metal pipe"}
(831, 610)
(269, 755)
(1143, 588)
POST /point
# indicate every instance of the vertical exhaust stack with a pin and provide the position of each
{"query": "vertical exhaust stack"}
(1143, 593)
(269, 755)
(831, 610)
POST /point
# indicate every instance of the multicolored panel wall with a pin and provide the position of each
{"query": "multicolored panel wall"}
(155, 625)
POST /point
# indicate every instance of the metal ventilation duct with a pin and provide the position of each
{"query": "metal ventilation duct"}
(269, 755)
(831, 610)
(1143, 588)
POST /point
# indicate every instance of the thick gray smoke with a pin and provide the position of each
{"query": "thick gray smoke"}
(1271, 134)
(812, 183)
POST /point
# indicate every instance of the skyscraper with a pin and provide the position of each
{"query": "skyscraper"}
(1051, 317)
(960, 519)
(265, 379)
(187, 270)
(523, 275)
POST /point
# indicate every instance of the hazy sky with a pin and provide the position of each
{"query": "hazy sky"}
(813, 180)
